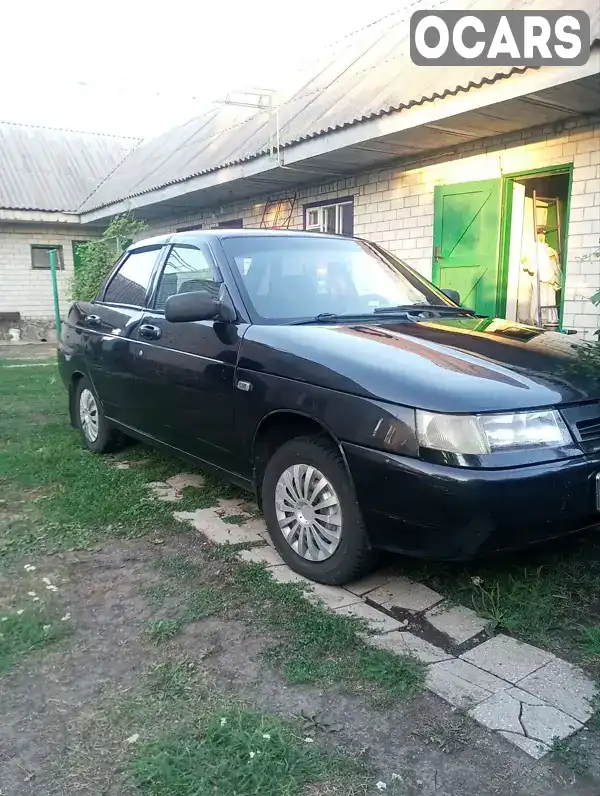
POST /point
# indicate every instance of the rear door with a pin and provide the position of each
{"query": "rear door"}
(466, 238)
(110, 325)
(186, 370)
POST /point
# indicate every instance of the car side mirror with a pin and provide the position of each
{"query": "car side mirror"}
(453, 295)
(197, 305)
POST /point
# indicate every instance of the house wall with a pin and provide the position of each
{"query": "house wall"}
(27, 290)
(394, 206)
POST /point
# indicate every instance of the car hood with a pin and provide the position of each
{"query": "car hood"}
(464, 364)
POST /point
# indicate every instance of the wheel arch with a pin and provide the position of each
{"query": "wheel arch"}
(76, 377)
(280, 426)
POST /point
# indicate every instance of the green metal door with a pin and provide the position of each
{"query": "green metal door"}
(466, 239)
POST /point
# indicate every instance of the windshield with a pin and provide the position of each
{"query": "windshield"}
(290, 278)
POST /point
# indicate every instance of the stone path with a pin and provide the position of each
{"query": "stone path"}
(525, 694)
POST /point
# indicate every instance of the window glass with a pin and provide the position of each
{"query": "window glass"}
(335, 218)
(40, 256)
(295, 277)
(186, 269)
(130, 284)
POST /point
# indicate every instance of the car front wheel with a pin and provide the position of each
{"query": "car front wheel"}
(312, 513)
(97, 434)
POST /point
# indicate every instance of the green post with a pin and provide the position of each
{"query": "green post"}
(55, 291)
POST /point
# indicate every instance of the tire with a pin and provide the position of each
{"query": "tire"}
(98, 435)
(345, 555)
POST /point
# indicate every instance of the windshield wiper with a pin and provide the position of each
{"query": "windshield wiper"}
(412, 308)
(331, 317)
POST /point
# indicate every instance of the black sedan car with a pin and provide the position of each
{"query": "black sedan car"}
(364, 407)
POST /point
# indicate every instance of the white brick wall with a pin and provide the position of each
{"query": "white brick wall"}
(394, 207)
(24, 289)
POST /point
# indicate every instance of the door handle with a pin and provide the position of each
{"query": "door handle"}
(150, 332)
(436, 254)
(92, 319)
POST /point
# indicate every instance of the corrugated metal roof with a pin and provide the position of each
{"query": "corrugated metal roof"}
(54, 170)
(368, 74)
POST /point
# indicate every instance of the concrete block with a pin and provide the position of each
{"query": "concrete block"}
(263, 555)
(182, 480)
(331, 596)
(207, 522)
(535, 749)
(376, 620)
(163, 491)
(563, 686)
(456, 621)
(507, 658)
(462, 684)
(287, 575)
(404, 643)
(404, 593)
(369, 583)
(516, 713)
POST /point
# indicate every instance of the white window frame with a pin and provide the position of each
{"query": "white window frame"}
(319, 224)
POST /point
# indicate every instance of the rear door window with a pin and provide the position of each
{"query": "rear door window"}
(130, 284)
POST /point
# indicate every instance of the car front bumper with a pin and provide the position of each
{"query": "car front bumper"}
(435, 511)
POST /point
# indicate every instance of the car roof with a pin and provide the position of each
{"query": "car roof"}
(187, 237)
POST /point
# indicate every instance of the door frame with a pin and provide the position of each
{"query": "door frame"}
(506, 211)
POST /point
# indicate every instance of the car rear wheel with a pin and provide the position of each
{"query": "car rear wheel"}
(312, 513)
(98, 436)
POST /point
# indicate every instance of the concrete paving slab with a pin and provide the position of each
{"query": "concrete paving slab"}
(515, 712)
(163, 491)
(535, 749)
(212, 526)
(369, 583)
(332, 596)
(564, 686)
(507, 658)
(182, 480)
(404, 593)
(501, 711)
(462, 684)
(263, 555)
(266, 537)
(541, 721)
(404, 643)
(456, 621)
(287, 575)
(376, 620)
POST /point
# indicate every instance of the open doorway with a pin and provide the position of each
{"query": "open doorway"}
(536, 254)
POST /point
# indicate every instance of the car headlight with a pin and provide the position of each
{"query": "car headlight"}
(483, 434)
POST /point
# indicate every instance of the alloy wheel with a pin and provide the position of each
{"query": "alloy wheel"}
(88, 415)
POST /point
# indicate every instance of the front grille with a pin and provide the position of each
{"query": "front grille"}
(584, 423)
(589, 430)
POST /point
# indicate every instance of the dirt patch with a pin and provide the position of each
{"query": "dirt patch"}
(27, 351)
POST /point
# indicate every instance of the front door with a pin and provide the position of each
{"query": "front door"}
(186, 370)
(466, 239)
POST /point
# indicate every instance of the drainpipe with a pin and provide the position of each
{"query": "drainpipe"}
(52, 254)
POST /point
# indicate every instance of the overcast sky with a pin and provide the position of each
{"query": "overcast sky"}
(133, 67)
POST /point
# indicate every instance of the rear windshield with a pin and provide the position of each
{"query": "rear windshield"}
(291, 278)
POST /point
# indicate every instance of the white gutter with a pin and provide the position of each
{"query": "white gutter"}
(518, 85)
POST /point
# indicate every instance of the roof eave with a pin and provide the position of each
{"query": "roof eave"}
(39, 216)
(533, 80)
